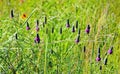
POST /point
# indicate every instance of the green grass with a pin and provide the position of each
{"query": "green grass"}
(58, 53)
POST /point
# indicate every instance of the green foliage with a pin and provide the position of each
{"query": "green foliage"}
(59, 53)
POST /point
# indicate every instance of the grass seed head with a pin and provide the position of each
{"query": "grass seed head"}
(27, 27)
(67, 24)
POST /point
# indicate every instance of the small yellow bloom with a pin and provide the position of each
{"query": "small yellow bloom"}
(24, 16)
(21, 1)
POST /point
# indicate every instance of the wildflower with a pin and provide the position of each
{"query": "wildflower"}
(77, 39)
(98, 56)
(52, 29)
(87, 29)
(45, 20)
(24, 16)
(98, 50)
(43, 24)
(100, 67)
(76, 24)
(11, 14)
(21, 1)
(16, 36)
(73, 29)
(68, 24)
(84, 49)
(37, 39)
(60, 30)
(110, 51)
(37, 28)
(105, 61)
(37, 25)
(27, 27)
(37, 22)
(79, 31)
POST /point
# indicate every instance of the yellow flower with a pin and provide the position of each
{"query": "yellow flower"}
(24, 16)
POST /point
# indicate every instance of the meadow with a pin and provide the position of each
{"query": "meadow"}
(59, 36)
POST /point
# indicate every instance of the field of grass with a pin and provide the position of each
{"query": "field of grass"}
(58, 52)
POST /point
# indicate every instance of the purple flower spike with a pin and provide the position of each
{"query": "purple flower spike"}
(68, 24)
(98, 59)
(98, 55)
(87, 29)
(37, 22)
(78, 39)
(11, 14)
(37, 28)
(27, 28)
(45, 20)
(37, 39)
(105, 61)
(76, 24)
(60, 30)
(37, 25)
(110, 51)
(73, 29)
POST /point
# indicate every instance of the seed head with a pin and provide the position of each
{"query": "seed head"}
(76, 24)
(45, 22)
(73, 29)
(79, 31)
(16, 36)
(37, 39)
(84, 49)
(11, 14)
(68, 24)
(37, 28)
(110, 51)
(60, 30)
(105, 61)
(87, 29)
(77, 39)
(27, 27)
(52, 29)
(37, 23)
(98, 59)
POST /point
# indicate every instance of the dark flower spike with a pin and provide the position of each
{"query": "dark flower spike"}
(79, 31)
(110, 51)
(52, 29)
(98, 50)
(37, 23)
(37, 39)
(77, 39)
(105, 61)
(87, 29)
(98, 55)
(16, 36)
(37, 28)
(73, 29)
(84, 49)
(11, 14)
(68, 24)
(43, 24)
(100, 67)
(98, 58)
(45, 20)
(76, 24)
(27, 27)
(60, 30)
